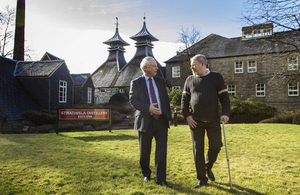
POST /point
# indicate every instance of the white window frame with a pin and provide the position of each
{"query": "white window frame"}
(256, 33)
(293, 89)
(176, 72)
(260, 90)
(291, 64)
(247, 34)
(251, 66)
(239, 70)
(231, 89)
(267, 32)
(89, 95)
(62, 91)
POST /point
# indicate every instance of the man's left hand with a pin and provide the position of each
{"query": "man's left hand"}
(225, 118)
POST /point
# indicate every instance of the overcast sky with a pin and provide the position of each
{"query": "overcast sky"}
(75, 30)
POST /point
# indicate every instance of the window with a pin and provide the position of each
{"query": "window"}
(62, 91)
(293, 63)
(102, 90)
(260, 90)
(247, 34)
(231, 90)
(121, 91)
(89, 95)
(267, 32)
(293, 89)
(238, 67)
(175, 71)
(251, 66)
(256, 33)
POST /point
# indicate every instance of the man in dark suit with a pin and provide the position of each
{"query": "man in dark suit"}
(148, 95)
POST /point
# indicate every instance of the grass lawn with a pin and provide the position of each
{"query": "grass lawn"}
(264, 159)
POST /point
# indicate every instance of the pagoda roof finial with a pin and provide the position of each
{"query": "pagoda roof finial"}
(116, 38)
(144, 17)
(117, 22)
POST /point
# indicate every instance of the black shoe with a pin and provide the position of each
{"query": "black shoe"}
(164, 183)
(147, 179)
(210, 175)
(200, 183)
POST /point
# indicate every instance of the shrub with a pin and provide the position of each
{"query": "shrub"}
(285, 117)
(39, 117)
(296, 119)
(251, 107)
(175, 97)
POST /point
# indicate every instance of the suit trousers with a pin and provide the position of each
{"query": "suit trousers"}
(214, 135)
(158, 130)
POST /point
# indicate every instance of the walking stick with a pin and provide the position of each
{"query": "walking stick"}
(227, 153)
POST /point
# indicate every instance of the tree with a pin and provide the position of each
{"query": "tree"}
(283, 14)
(7, 21)
(188, 38)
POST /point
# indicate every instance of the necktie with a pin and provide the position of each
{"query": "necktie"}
(153, 97)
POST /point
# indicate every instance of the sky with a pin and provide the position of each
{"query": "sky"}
(74, 30)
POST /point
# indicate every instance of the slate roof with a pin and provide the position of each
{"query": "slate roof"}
(116, 39)
(144, 33)
(106, 75)
(37, 68)
(216, 46)
(80, 79)
(14, 98)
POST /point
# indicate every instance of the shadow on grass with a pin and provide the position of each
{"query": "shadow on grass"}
(120, 137)
(236, 188)
(183, 190)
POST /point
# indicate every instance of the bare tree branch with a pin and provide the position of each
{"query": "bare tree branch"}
(7, 22)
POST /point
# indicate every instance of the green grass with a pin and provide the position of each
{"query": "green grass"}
(264, 159)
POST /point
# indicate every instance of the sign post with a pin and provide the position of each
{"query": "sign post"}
(83, 114)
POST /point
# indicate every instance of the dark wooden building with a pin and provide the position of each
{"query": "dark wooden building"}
(14, 98)
(49, 82)
(83, 88)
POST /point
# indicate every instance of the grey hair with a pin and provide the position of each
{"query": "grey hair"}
(200, 58)
(145, 62)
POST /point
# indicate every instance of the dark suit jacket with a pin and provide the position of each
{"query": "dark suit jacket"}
(139, 99)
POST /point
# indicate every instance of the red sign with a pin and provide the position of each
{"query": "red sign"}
(83, 114)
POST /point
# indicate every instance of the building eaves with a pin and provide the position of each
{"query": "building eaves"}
(48, 56)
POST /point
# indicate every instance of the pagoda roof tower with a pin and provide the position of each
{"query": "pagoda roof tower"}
(107, 73)
(144, 47)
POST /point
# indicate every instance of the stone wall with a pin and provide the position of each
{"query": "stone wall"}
(103, 96)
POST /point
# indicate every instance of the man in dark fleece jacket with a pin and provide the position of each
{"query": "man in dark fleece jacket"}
(203, 90)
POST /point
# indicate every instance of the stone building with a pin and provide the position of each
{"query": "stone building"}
(112, 79)
(259, 65)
